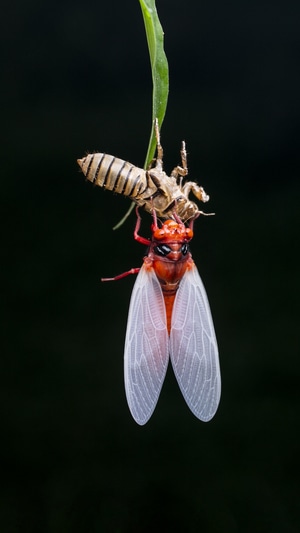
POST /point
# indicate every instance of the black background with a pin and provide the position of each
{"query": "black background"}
(76, 78)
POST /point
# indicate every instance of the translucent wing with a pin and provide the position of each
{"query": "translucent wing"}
(193, 347)
(146, 346)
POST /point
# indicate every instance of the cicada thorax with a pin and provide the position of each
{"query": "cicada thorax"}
(172, 197)
(170, 257)
(118, 176)
(184, 208)
(168, 198)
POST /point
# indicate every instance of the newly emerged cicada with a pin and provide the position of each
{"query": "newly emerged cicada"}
(169, 318)
(151, 189)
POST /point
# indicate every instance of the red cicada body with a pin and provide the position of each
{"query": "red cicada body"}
(169, 315)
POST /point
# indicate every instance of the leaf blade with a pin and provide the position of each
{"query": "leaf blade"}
(159, 68)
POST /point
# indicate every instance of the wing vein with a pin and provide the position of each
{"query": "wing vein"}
(193, 347)
(146, 346)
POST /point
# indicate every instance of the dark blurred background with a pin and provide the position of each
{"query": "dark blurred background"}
(76, 78)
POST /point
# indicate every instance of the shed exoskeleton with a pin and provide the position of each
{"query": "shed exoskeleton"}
(151, 188)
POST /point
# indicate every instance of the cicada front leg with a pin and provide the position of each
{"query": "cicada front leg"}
(198, 191)
(181, 171)
(157, 162)
(159, 148)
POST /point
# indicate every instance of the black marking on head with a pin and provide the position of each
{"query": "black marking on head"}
(184, 248)
(162, 250)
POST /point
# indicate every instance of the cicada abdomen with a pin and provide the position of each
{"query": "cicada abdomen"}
(118, 176)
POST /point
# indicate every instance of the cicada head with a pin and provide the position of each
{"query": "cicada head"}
(172, 231)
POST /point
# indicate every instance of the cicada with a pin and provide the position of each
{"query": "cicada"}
(169, 316)
(151, 189)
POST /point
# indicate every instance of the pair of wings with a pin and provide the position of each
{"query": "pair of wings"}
(192, 347)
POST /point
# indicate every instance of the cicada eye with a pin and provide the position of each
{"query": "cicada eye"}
(184, 249)
(162, 250)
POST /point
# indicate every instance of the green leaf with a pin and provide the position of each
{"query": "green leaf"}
(159, 67)
(160, 78)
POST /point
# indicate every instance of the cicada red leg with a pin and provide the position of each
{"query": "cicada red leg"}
(138, 238)
(123, 275)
